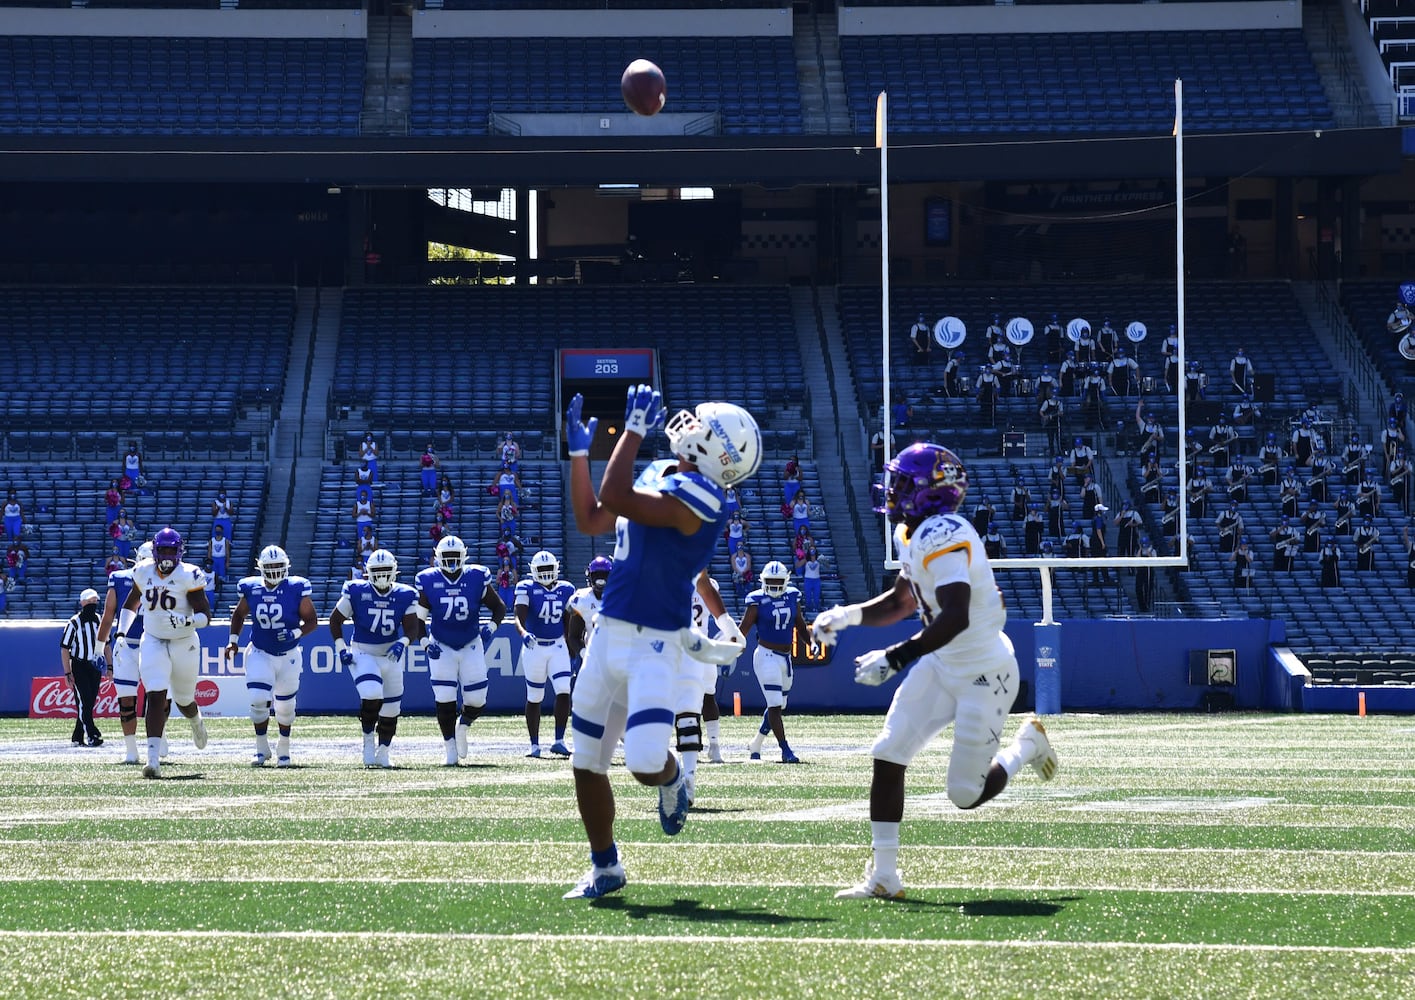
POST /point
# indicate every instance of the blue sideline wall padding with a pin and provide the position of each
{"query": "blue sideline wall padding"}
(1105, 664)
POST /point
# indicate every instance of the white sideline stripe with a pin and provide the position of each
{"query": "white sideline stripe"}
(709, 939)
(726, 845)
(186, 878)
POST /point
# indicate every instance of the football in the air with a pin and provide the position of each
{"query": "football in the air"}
(643, 87)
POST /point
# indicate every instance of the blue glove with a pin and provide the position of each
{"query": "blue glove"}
(530, 640)
(284, 635)
(346, 659)
(100, 663)
(644, 410)
(578, 435)
(487, 634)
(395, 651)
(433, 650)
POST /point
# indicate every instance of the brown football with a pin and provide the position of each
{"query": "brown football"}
(643, 87)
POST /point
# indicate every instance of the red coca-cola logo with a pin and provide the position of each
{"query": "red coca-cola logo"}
(53, 698)
(207, 693)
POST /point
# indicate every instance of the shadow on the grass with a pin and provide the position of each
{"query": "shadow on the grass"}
(1010, 907)
(194, 776)
(694, 912)
(713, 810)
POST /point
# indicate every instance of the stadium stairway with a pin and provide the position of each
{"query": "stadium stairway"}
(1333, 333)
(285, 433)
(309, 456)
(836, 471)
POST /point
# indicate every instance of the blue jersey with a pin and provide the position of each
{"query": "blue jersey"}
(776, 616)
(454, 606)
(273, 609)
(545, 606)
(377, 618)
(655, 568)
(121, 580)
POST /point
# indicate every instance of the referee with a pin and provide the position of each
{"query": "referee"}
(82, 657)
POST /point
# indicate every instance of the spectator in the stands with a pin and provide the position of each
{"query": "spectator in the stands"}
(1304, 442)
(1099, 547)
(1314, 520)
(1240, 372)
(132, 465)
(1082, 460)
(1056, 475)
(1107, 341)
(1409, 556)
(363, 475)
(810, 570)
(1319, 479)
(1093, 395)
(1169, 519)
(1056, 515)
(1021, 496)
(364, 511)
(114, 562)
(1367, 535)
(1392, 439)
(1193, 448)
(218, 551)
(1051, 411)
(1368, 494)
(1047, 386)
(984, 513)
(1398, 478)
(1222, 437)
(1352, 457)
(1396, 409)
(730, 503)
(1195, 383)
(987, 388)
(1229, 523)
(742, 570)
(1290, 492)
(223, 513)
(1343, 509)
(1199, 489)
(368, 452)
(508, 484)
(508, 546)
(1052, 334)
(1086, 346)
(1170, 350)
(877, 443)
(1005, 369)
(445, 495)
(437, 530)
(994, 544)
(112, 501)
(1033, 530)
(790, 480)
(994, 334)
(1151, 479)
(1075, 542)
(1124, 373)
(1269, 456)
(1150, 429)
(1331, 564)
(427, 465)
(506, 582)
(14, 514)
(1243, 559)
(954, 377)
(1090, 495)
(127, 534)
(510, 450)
(1145, 577)
(356, 569)
(507, 515)
(17, 560)
(738, 528)
(1128, 527)
(921, 337)
(367, 543)
(901, 414)
(1068, 373)
(800, 513)
(1287, 542)
(1238, 478)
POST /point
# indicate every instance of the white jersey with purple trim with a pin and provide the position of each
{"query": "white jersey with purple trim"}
(166, 600)
(702, 618)
(946, 549)
(585, 604)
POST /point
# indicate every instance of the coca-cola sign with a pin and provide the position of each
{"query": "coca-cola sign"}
(207, 693)
(53, 698)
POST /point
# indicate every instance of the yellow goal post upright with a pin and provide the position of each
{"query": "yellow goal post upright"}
(1047, 631)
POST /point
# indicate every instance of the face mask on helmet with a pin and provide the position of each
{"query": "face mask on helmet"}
(451, 555)
(775, 577)
(922, 480)
(382, 570)
(597, 574)
(545, 568)
(144, 551)
(721, 439)
(167, 549)
(274, 565)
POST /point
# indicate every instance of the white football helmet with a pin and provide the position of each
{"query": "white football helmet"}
(144, 551)
(451, 555)
(545, 568)
(382, 570)
(775, 577)
(721, 439)
(274, 565)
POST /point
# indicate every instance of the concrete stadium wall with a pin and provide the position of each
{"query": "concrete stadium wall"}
(1107, 664)
(114, 22)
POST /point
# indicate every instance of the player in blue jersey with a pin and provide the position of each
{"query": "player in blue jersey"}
(774, 609)
(281, 612)
(451, 594)
(541, 612)
(124, 655)
(382, 611)
(666, 526)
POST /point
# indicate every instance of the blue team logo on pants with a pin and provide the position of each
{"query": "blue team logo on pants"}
(657, 645)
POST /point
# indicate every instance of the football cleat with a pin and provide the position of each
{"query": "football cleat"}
(198, 731)
(673, 804)
(259, 759)
(598, 883)
(789, 757)
(1039, 754)
(369, 750)
(162, 749)
(130, 759)
(755, 755)
(874, 887)
(461, 738)
(691, 784)
(560, 749)
(535, 751)
(714, 752)
(283, 761)
(451, 759)
(152, 771)
(380, 757)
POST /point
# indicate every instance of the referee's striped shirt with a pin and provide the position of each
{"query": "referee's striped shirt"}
(80, 638)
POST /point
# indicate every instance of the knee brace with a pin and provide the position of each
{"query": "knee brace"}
(285, 710)
(690, 732)
(446, 718)
(127, 710)
(387, 726)
(368, 712)
(260, 711)
(470, 713)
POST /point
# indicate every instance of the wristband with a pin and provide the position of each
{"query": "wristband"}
(126, 618)
(854, 614)
(201, 619)
(901, 654)
(235, 639)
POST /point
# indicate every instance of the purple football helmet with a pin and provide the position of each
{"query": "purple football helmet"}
(167, 549)
(922, 480)
(597, 573)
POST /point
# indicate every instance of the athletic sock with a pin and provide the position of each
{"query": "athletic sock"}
(130, 744)
(606, 858)
(154, 748)
(713, 728)
(884, 839)
(1011, 758)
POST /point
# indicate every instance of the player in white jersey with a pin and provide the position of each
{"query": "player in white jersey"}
(698, 701)
(966, 671)
(282, 612)
(172, 597)
(584, 606)
(124, 655)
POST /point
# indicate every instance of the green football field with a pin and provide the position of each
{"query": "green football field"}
(1173, 856)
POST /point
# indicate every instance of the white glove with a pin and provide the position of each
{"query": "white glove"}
(719, 651)
(873, 668)
(728, 630)
(832, 621)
